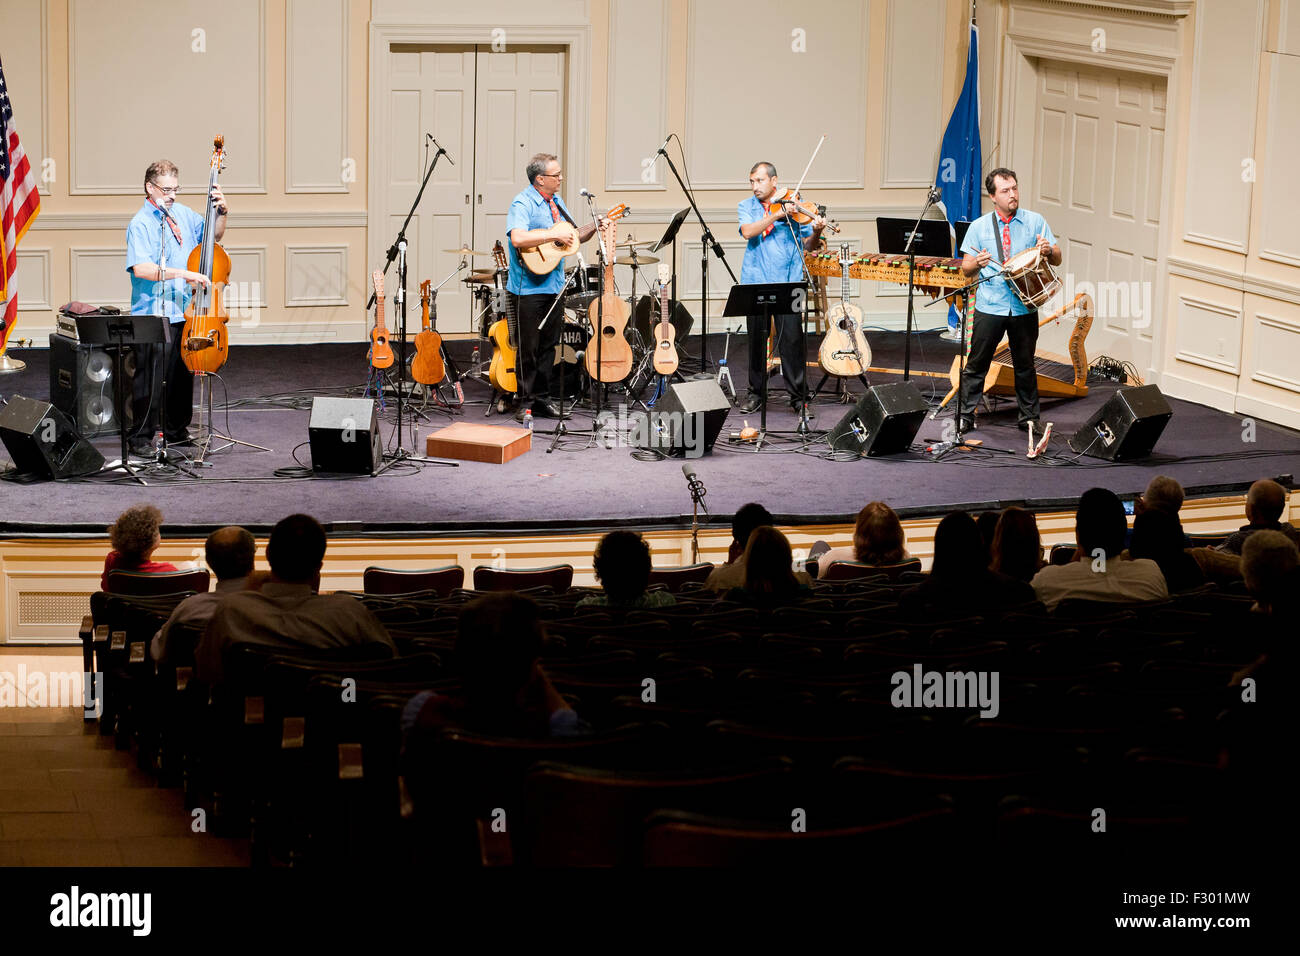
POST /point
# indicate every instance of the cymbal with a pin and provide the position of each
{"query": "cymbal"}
(634, 244)
(485, 277)
(466, 251)
(638, 261)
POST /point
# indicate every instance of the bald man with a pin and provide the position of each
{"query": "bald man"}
(229, 553)
(1265, 503)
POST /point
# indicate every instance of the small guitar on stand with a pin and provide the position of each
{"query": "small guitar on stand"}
(543, 259)
(503, 369)
(609, 354)
(381, 353)
(844, 351)
(665, 358)
(427, 367)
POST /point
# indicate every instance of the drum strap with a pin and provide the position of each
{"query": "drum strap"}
(997, 234)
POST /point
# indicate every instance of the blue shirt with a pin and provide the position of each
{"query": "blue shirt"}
(995, 296)
(775, 257)
(156, 298)
(530, 210)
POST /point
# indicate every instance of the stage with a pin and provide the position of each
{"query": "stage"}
(584, 486)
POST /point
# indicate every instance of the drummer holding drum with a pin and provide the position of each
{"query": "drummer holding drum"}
(991, 241)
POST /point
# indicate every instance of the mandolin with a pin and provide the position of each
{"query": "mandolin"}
(609, 316)
(665, 360)
(844, 350)
(504, 367)
(427, 367)
(542, 259)
(381, 353)
(206, 346)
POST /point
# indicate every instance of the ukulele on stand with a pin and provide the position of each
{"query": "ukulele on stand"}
(665, 360)
(381, 353)
(609, 355)
(427, 367)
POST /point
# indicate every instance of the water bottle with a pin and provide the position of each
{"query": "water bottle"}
(158, 453)
(528, 420)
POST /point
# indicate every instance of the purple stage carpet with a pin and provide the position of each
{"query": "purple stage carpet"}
(581, 486)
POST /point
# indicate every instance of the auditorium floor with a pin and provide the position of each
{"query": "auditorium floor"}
(580, 488)
(68, 798)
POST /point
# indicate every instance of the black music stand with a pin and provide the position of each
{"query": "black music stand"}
(902, 237)
(769, 299)
(120, 331)
(670, 236)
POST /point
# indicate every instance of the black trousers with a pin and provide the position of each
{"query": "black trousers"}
(1022, 335)
(152, 362)
(788, 346)
(537, 348)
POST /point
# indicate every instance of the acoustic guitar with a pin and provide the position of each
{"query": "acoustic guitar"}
(504, 367)
(609, 317)
(844, 351)
(543, 259)
(427, 367)
(381, 353)
(665, 360)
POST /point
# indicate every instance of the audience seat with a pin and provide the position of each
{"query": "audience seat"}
(675, 578)
(558, 577)
(1061, 554)
(441, 581)
(195, 580)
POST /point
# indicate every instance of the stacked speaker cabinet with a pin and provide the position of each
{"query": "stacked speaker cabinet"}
(344, 434)
(81, 385)
(883, 422)
(42, 442)
(1126, 427)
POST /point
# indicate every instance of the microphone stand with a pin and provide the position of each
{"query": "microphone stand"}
(697, 490)
(707, 241)
(930, 199)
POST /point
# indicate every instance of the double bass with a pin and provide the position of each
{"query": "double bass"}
(205, 346)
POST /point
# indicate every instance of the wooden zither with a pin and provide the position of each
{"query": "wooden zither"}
(1059, 376)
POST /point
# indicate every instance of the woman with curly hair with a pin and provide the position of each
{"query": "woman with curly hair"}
(135, 536)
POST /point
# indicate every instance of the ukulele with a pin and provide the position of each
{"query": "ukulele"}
(844, 350)
(504, 367)
(542, 259)
(612, 314)
(205, 340)
(427, 367)
(381, 353)
(665, 360)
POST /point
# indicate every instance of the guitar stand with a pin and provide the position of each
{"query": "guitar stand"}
(845, 397)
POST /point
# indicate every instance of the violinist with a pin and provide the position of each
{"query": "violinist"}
(179, 229)
(774, 254)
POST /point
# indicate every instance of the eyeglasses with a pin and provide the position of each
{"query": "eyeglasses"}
(559, 175)
(165, 190)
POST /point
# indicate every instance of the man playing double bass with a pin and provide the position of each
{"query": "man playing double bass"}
(998, 309)
(179, 229)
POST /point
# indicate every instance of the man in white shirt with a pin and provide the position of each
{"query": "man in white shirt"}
(1098, 572)
(229, 553)
(287, 612)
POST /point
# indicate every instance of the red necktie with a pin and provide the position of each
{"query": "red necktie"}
(771, 225)
(1006, 236)
(555, 210)
(176, 230)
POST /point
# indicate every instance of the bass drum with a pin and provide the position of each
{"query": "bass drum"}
(573, 344)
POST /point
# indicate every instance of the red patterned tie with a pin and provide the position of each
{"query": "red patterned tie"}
(771, 225)
(555, 210)
(1006, 236)
(176, 230)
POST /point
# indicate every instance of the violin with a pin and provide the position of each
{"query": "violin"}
(800, 210)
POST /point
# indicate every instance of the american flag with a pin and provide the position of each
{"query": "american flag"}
(19, 204)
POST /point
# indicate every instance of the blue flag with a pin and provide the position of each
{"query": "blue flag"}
(960, 157)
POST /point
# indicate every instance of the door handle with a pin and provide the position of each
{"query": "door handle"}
(467, 199)
(480, 199)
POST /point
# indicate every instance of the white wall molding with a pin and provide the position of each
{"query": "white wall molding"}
(315, 275)
(33, 262)
(1241, 282)
(118, 221)
(622, 121)
(293, 108)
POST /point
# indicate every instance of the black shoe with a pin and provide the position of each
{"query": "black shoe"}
(548, 410)
(967, 425)
(1024, 426)
(522, 411)
(795, 408)
(752, 403)
(185, 437)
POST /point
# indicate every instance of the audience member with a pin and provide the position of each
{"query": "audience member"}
(1265, 502)
(770, 579)
(987, 523)
(732, 574)
(287, 611)
(622, 565)
(1163, 494)
(1269, 563)
(1017, 548)
(229, 553)
(1099, 572)
(1158, 535)
(135, 536)
(960, 578)
(878, 540)
(504, 690)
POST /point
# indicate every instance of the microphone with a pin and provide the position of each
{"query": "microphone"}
(935, 194)
(586, 192)
(688, 471)
(429, 137)
(665, 144)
